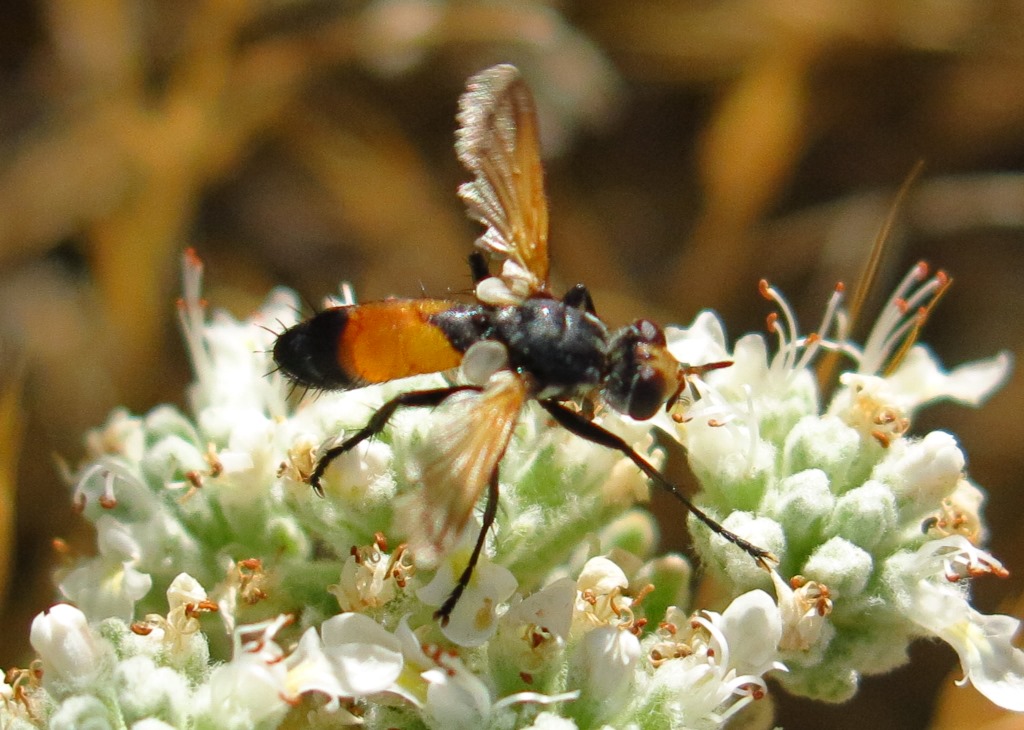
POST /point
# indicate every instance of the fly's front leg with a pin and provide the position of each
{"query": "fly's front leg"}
(412, 399)
(590, 431)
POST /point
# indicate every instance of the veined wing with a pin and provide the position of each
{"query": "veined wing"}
(471, 439)
(498, 142)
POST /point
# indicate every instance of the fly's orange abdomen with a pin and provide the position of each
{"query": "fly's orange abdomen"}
(348, 347)
(395, 339)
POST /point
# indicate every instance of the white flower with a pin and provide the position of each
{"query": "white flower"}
(109, 585)
(892, 381)
(533, 632)
(711, 665)
(475, 617)
(459, 700)
(923, 472)
(309, 670)
(933, 597)
(250, 689)
(122, 435)
(447, 693)
(366, 657)
(804, 614)
(186, 600)
(67, 647)
(599, 596)
(232, 385)
(351, 657)
(550, 608)
(920, 379)
(752, 627)
(725, 423)
(176, 637)
(371, 577)
(959, 514)
(603, 666)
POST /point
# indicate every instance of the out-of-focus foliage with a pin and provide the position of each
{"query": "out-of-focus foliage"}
(694, 147)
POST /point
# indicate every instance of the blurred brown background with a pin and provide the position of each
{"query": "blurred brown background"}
(693, 148)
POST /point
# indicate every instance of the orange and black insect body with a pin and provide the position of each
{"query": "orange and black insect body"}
(551, 350)
(350, 347)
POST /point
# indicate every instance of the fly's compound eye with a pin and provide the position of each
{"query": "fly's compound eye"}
(642, 375)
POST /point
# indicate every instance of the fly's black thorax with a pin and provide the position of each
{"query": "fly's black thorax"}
(561, 347)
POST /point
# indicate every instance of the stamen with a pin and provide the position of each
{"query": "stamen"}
(721, 653)
(787, 338)
(108, 500)
(830, 319)
(745, 689)
(192, 314)
(941, 283)
(901, 320)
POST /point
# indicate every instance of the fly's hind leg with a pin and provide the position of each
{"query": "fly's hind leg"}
(443, 614)
(414, 398)
(587, 429)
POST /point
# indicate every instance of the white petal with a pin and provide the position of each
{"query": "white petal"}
(247, 684)
(920, 378)
(549, 608)
(366, 657)
(456, 698)
(703, 341)
(607, 656)
(989, 659)
(750, 365)
(601, 576)
(184, 589)
(115, 540)
(475, 617)
(61, 637)
(752, 625)
(924, 471)
(105, 588)
(309, 669)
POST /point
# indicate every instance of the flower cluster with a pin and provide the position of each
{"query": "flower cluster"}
(225, 594)
(878, 529)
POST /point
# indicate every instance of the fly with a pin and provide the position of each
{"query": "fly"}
(523, 342)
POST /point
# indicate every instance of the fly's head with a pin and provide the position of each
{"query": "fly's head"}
(642, 374)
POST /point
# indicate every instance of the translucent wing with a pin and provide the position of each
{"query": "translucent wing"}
(497, 141)
(468, 445)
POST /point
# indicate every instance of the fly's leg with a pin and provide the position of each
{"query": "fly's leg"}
(412, 399)
(443, 614)
(579, 297)
(478, 268)
(587, 429)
